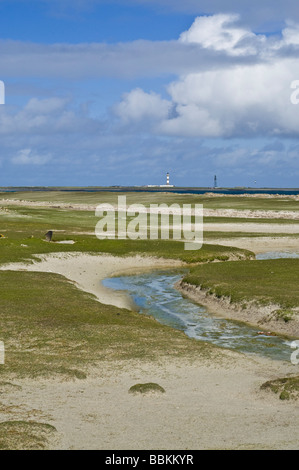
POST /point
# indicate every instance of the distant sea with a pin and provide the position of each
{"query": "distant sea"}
(175, 189)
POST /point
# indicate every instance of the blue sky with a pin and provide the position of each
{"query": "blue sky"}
(119, 92)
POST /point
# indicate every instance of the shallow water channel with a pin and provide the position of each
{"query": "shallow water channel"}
(154, 294)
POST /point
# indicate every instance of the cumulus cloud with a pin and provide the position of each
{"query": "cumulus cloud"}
(230, 83)
(45, 117)
(236, 100)
(139, 105)
(211, 42)
(244, 101)
(220, 32)
(290, 34)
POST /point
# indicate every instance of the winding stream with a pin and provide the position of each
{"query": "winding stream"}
(154, 294)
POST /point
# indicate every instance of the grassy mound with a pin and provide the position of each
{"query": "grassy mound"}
(287, 388)
(147, 388)
(25, 435)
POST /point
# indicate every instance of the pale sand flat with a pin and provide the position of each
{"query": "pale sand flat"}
(205, 406)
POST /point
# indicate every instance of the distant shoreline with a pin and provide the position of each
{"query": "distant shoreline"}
(237, 191)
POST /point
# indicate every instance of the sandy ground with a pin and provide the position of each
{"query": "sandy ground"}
(259, 244)
(87, 271)
(206, 405)
(252, 228)
(244, 213)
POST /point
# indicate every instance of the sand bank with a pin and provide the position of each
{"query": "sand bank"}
(262, 317)
(259, 244)
(235, 213)
(87, 271)
(252, 227)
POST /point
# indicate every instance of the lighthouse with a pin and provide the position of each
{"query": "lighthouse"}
(167, 185)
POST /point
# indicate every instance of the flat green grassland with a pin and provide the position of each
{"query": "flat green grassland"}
(266, 282)
(49, 327)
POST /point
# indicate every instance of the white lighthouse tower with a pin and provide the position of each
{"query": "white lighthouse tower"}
(167, 185)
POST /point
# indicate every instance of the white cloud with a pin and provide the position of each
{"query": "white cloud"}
(239, 99)
(220, 32)
(45, 106)
(29, 157)
(211, 41)
(290, 34)
(139, 105)
(44, 117)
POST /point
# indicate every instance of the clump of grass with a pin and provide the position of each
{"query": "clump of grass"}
(284, 314)
(149, 387)
(287, 387)
(25, 435)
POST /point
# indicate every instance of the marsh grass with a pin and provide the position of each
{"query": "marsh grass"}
(146, 198)
(50, 328)
(272, 282)
(287, 388)
(16, 248)
(25, 435)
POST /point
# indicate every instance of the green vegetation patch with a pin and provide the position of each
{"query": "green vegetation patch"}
(287, 388)
(266, 282)
(18, 248)
(25, 435)
(149, 387)
(49, 327)
(148, 197)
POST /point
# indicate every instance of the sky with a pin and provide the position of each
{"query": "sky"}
(120, 92)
